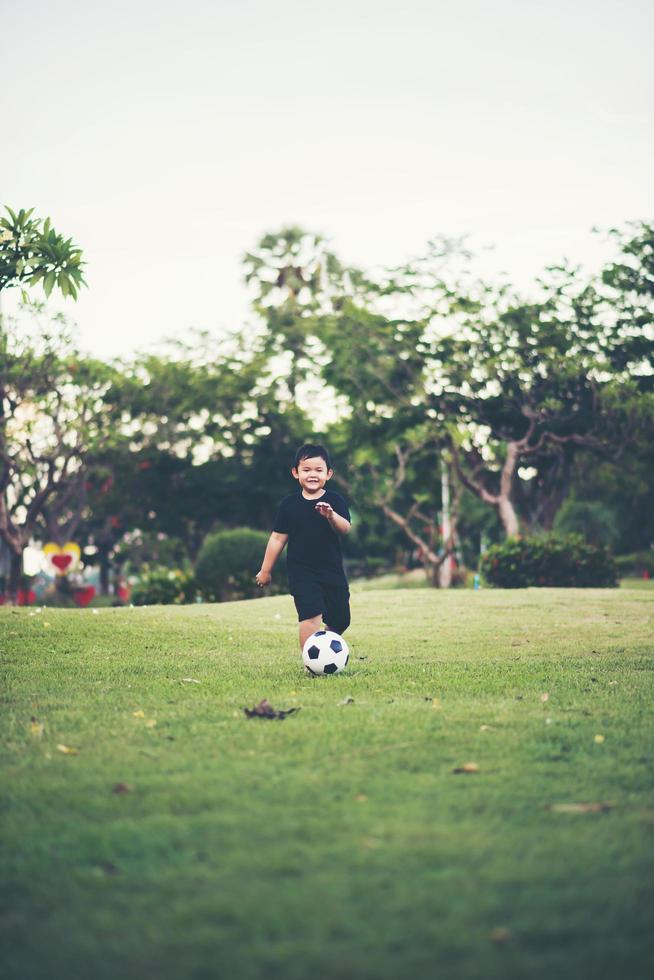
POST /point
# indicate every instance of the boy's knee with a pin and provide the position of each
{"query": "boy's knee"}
(339, 622)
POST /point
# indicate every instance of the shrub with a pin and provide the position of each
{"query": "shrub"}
(636, 564)
(548, 561)
(163, 587)
(141, 550)
(228, 562)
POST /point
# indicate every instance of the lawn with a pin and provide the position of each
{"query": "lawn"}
(178, 839)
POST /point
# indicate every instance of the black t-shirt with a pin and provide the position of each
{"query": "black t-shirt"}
(314, 548)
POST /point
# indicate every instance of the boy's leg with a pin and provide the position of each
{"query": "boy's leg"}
(337, 608)
(307, 627)
(310, 603)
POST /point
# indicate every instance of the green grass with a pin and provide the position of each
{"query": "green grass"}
(338, 842)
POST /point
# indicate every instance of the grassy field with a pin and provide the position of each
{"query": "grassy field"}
(338, 842)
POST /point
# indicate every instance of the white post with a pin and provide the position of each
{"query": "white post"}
(445, 571)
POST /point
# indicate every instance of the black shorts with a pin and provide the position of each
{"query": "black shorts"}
(332, 602)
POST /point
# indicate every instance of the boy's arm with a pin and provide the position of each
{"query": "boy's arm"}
(274, 548)
(340, 524)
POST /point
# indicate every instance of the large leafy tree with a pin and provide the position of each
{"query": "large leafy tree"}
(32, 473)
(203, 443)
(515, 388)
(395, 439)
(293, 276)
(536, 383)
(53, 416)
(627, 286)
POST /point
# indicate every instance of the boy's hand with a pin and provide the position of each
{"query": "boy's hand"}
(263, 578)
(325, 510)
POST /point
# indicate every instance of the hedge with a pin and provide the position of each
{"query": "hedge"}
(567, 562)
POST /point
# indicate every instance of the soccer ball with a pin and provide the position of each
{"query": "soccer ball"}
(325, 653)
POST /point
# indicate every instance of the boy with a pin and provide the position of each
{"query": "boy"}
(312, 521)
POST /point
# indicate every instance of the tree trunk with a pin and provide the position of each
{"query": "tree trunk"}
(15, 578)
(505, 508)
(430, 560)
(105, 566)
(508, 517)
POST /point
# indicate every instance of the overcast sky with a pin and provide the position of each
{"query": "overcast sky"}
(165, 138)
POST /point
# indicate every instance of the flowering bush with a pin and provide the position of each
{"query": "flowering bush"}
(548, 560)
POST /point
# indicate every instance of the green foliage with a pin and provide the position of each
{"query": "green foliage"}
(144, 549)
(292, 275)
(53, 415)
(32, 252)
(592, 520)
(548, 561)
(228, 562)
(638, 563)
(164, 587)
(630, 284)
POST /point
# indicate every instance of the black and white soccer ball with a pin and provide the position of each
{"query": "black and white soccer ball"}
(325, 652)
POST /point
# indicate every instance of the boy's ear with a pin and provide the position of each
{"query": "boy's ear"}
(330, 474)
(295, 472)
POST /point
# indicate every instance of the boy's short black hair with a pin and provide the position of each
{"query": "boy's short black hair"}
(309, 451)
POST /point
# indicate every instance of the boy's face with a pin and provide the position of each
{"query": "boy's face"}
(312, 474)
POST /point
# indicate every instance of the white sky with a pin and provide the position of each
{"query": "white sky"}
(165, 138)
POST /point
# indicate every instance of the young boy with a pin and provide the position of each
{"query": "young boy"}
(312, 521)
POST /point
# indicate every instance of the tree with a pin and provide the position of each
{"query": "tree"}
(394, 440)
(628, 290)
(292, 275)
(32, 252)
(536, 383)
(52, 417)
(202, 444)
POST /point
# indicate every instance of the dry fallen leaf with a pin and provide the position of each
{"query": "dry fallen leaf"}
(544, 697)
(583, 807)
(139, 714)
(151, 723)
(500, 935)
(37, 728)
(68, 749)
(361, 798)
(122, 788)
(484, 728)
(599, 739)
(436, 704)
(467, 767)
(190, 680)
(265, 710)
(107, 868)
